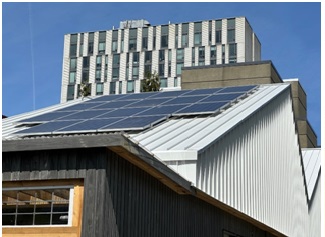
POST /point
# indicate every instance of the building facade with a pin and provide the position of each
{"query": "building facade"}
(114, 61)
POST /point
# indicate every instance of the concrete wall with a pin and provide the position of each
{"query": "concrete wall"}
(229, 75)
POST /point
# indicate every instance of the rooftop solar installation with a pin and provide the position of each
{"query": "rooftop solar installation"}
(138, 111)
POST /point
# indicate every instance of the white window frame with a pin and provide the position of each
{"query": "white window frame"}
(70, 212)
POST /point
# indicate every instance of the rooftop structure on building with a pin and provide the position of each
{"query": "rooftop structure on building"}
(115, 61)
(223, 161)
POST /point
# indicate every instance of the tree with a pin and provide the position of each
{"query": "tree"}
(150, 82)
(84, 90)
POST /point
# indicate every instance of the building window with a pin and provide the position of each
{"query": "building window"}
(232, 53)
(73, 50)
(120, 83)
(201, 53)
(197, 33)
(179, 68)
(122, 41)
(145, 38)
(85, 76)
(72, 77)
(148, 56)
(193, 56)
(101, 47)
(147, 68)
(25, 206)
(114, 46)
(161, 55)
(70, 93)
(73, 45)
(231, 35)
(81, 45)
(135, 72)
(102, 44)
(112, 87)
(154, 38)
(115, 73)
(98, 75)
(116, 66)
(99, 88)
(114, 41)
(163, 82)
(169, 69)
(73, 64)
(210, 32)
(127, 72)
(98, 61)
(116, 59)
(133, 39)
(161, 69)
(185, 35)
(176, 36)
(136, 58)
(213, 55)
(85, 62)
(218, 31)
(130, 86)
(90, 43)
(164, 37)
(175, 82)
(180, 55)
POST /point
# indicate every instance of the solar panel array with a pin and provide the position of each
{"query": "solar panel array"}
(132, 111)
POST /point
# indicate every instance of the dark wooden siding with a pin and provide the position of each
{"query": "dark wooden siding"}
(122, 200)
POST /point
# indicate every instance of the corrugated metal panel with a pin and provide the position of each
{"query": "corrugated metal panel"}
(205, 33)
(315, 213)
(236, 163)
(312, 164)
(190, 35)
(256, 168)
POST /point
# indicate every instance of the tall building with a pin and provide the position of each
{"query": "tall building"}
(114, 61)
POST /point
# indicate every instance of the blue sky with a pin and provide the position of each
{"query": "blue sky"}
(32, 42)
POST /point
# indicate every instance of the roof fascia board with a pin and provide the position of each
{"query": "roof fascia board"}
(170, 155)
(55, 143)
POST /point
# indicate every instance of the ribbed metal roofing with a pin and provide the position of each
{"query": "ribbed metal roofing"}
(189, 136)
(312, 164)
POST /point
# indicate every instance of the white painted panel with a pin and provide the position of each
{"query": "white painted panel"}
(191, 35)
(205, 33)
(259, 169)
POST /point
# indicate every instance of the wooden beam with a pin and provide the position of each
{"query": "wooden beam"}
(62, 142)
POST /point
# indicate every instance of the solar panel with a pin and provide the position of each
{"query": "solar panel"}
(167, 110)
(46, 117)
(106, 98)
(237, 89)
(123, 112)
(166, 94)
(137, 96)
(91, 125)
(201, 108)
(209, 91)
(115, 104)
(185, 100)
(133, 111)
(134, 123)
(82, 106)
(47, 128)
(148, 102)
(88, 114)
(222, 97)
